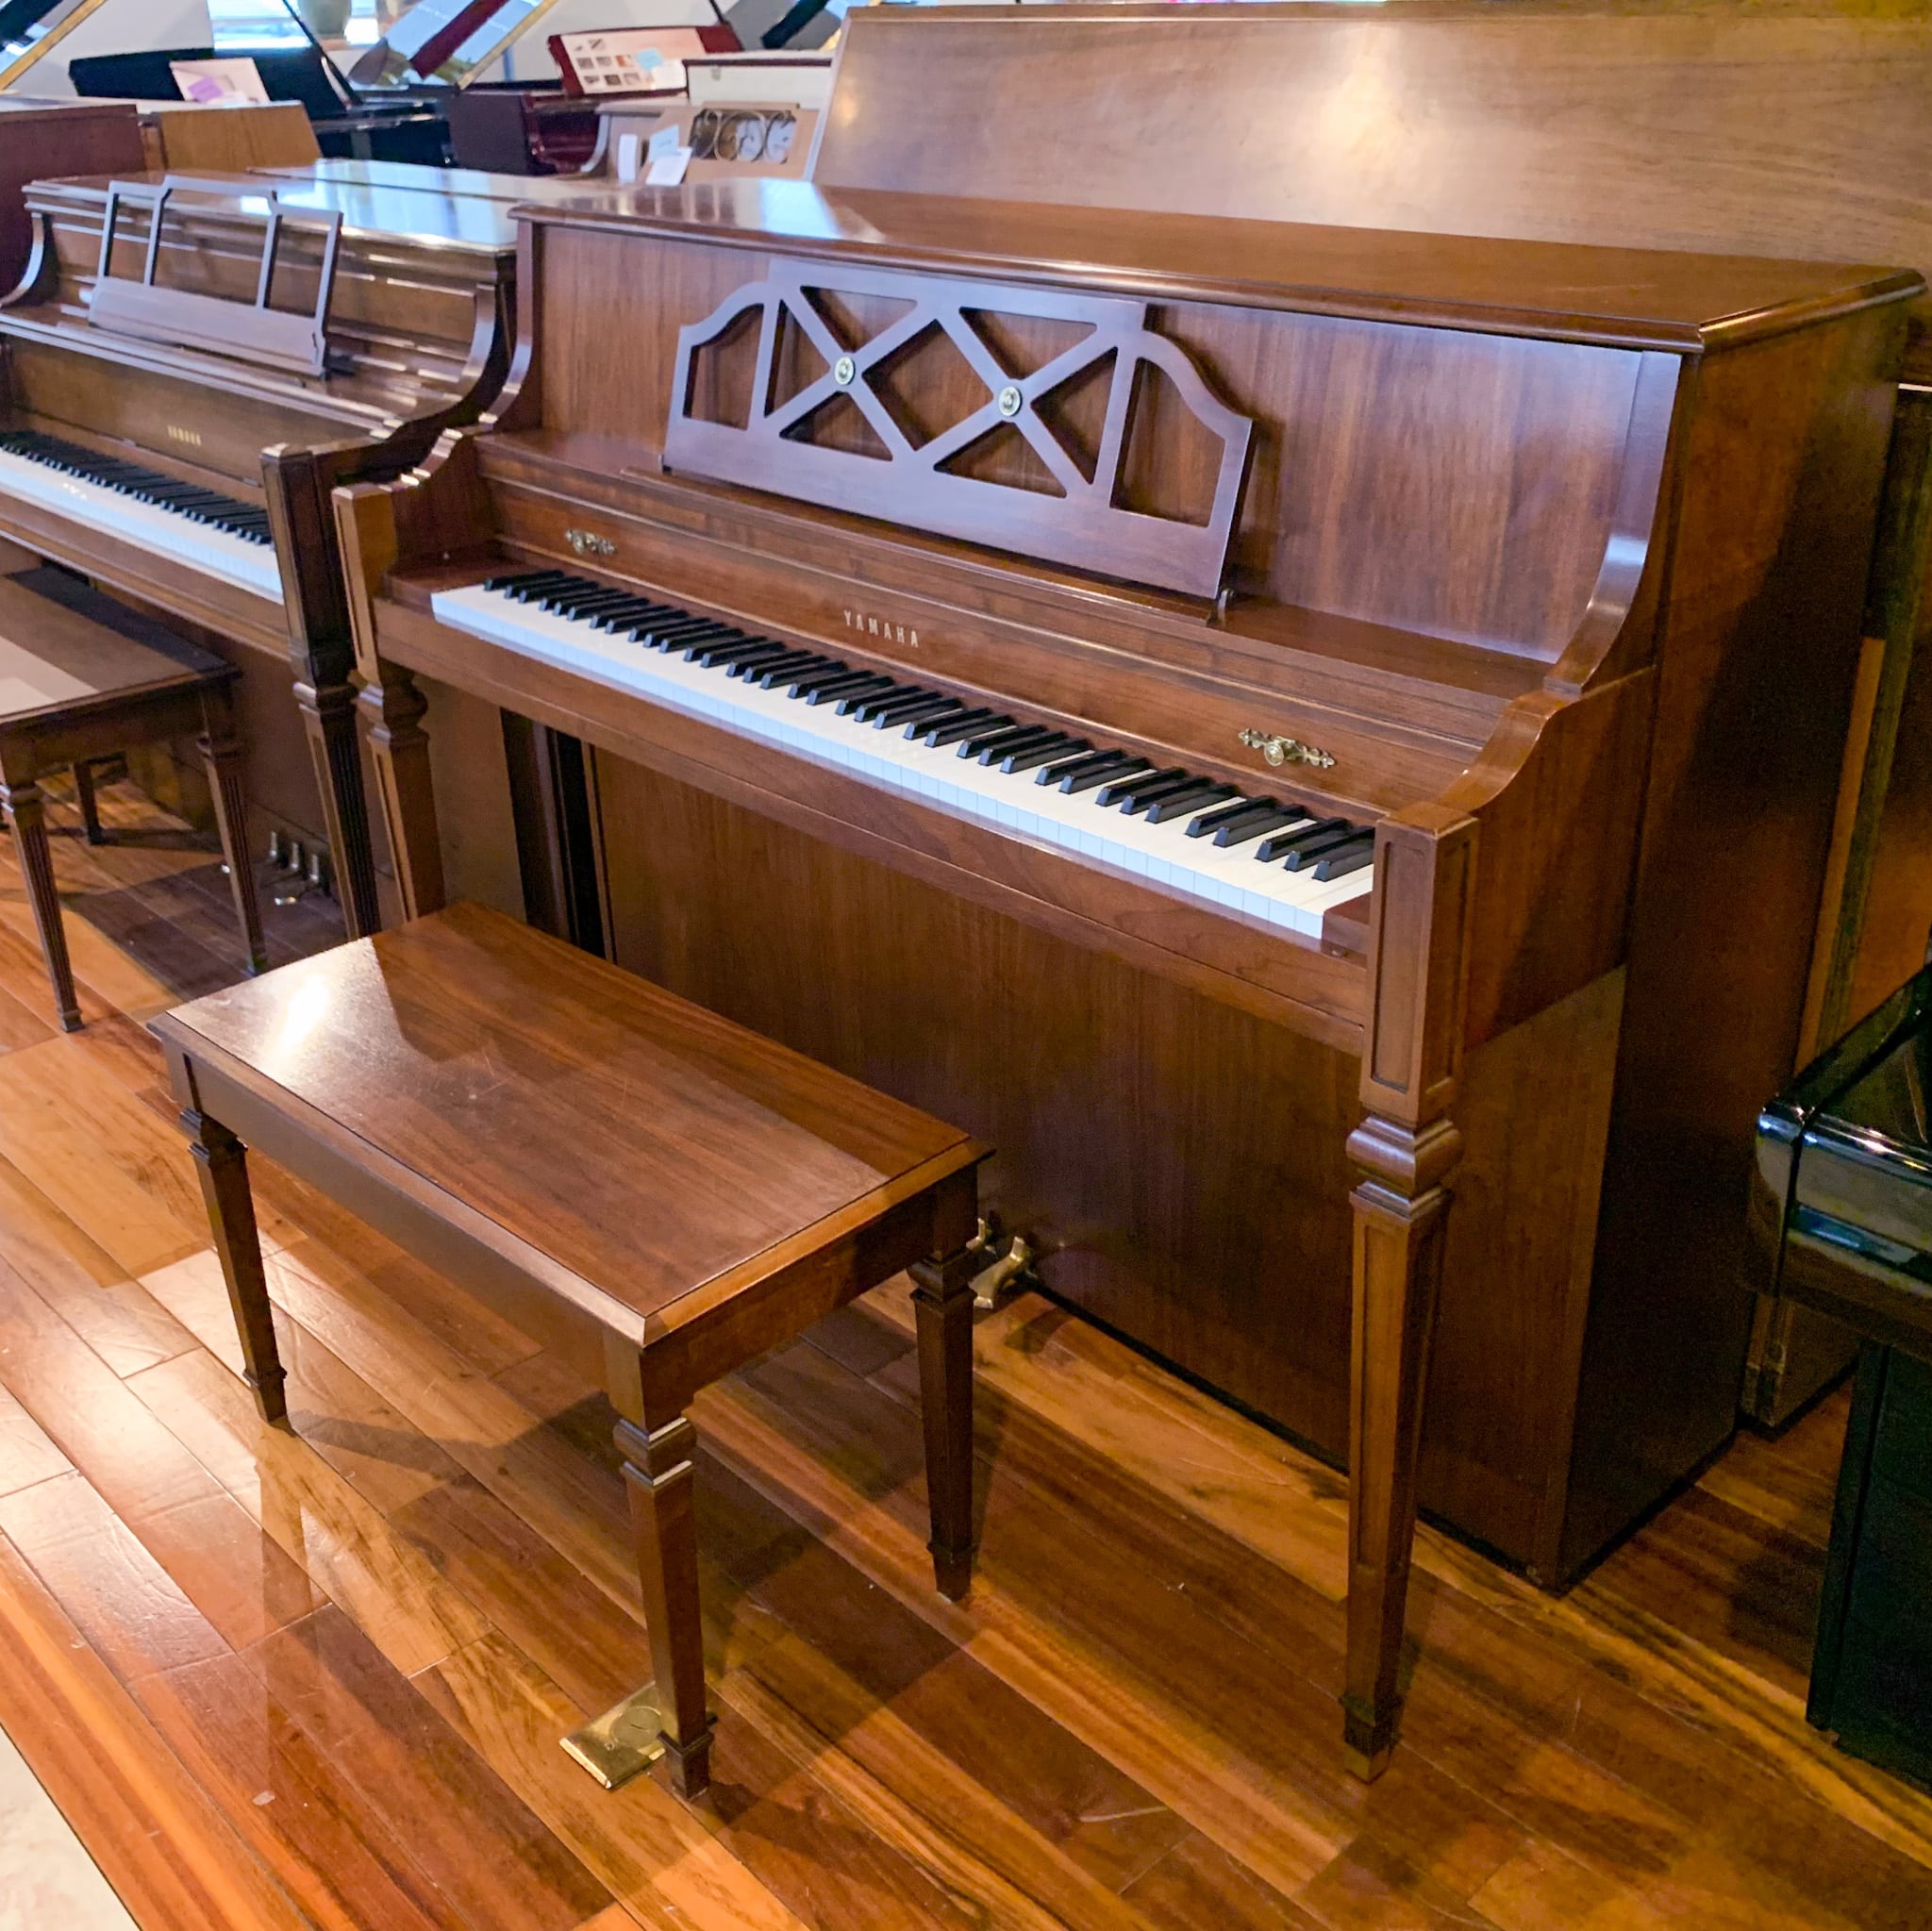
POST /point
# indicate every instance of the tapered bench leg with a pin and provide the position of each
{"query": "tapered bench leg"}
(90, 804)
(942, 1300)
(26, 819)
(222, 1161)
(657, 1472)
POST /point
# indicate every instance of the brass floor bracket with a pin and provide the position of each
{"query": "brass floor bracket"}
(627, 1738)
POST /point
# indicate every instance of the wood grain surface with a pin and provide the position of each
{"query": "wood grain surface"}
(316, 1679)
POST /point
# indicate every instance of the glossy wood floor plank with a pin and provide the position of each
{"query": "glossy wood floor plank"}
(160, 1840)
(353, 1647)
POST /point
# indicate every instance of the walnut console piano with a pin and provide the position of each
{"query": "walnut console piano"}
(172, 419)
(1315, 711)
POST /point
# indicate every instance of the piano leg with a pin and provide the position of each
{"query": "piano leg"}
(221, 752)
(401, 747)
(328, 716)
(1400, 1213)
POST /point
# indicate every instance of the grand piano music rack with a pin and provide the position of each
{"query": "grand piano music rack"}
(296, 343)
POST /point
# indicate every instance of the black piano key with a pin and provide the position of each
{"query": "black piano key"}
(523, 589)
(832, 670)
(699, 644)
(593, 597)
(1289, 844)
(667, 633)
(927, 711)
(1059, 747)
(1011, 736)
(1344, 859)
(1229, 814)
(706, 636)
(840, 686)
(748, 650)
(781, 670)
(1129, 787)
(618, 618)
(949, 730)
(1099, 770)
(858, 704)
(1177, 804)
(756, 656)
(582, 603)
(1302, 857)
(876, 710)
(722, 654)
(1074, 761)
(1186, 788)
(1259, 825)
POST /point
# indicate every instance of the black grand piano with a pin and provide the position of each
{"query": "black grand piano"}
(1842, 1210)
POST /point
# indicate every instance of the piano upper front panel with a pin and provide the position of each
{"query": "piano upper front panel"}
(90, 398)
(1472, 502)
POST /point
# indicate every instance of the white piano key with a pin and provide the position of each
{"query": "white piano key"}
(1163, 854)
(165, 532)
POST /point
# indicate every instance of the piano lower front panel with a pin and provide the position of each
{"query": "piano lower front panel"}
(1181, 1161)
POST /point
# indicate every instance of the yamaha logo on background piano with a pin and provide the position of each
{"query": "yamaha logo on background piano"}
(882, 628)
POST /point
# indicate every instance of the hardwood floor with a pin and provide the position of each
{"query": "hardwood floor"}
(318, 1679)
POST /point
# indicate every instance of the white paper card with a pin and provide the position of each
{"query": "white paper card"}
(630, 149)
(667, 171)
(222, 83)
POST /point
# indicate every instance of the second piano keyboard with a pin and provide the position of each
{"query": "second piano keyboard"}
(209, 532)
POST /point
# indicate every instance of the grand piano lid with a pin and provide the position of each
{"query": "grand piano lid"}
(1636, 299)
(456, 42)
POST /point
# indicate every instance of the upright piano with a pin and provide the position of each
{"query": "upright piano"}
(1734, 130)
(1272, 725)
(173, 416)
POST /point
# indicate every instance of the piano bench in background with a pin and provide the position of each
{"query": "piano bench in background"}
(655, 1195)
(81, 678)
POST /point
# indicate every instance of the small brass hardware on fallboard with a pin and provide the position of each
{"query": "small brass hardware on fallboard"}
(587, 543)
(1286, 750)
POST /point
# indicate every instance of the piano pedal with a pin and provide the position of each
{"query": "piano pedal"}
(305, 869)
(1009, 1267)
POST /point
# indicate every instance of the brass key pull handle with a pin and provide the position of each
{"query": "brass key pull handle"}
(1278, 750)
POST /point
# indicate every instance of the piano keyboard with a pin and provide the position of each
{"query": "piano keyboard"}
(209, 532)
(1260, 855)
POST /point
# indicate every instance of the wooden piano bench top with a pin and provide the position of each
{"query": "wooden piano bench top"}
(67, 652)
(82, 677)
(653, 1192)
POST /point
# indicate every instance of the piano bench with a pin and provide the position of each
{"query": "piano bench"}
(82, 678)
(655, 1195)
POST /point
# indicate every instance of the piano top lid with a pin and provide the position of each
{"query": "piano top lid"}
(1635, 298)
(426, 217)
